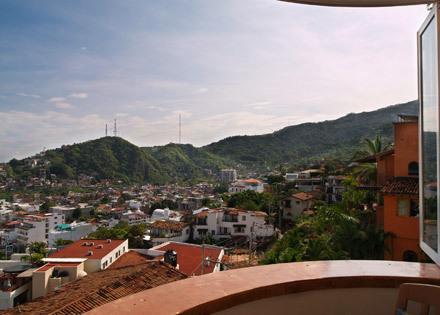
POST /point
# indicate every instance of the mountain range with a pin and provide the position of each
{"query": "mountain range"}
(298, 145)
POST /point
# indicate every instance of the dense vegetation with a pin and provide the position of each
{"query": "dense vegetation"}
(115, 158)
(341, 231)
(310, 142)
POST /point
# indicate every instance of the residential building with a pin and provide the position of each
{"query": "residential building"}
(190, 257)
(64, 210)
(229, 222)
(135, 217)
(87, 293)
(228, 175)
(296, 204)
(70, 232)
(291, 177)
(162, 231)
(35, 228)
(15, 286)
(247, 184)
(398, 182)
(165, 214)
(334, 188)
(98, 254)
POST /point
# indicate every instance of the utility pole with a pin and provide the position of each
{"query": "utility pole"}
(251, 243)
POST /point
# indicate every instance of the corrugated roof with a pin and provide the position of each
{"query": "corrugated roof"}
(100, 288)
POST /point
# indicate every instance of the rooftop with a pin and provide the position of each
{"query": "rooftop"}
(189, 256)
(402, 186)
(100, 288)
(81, 249)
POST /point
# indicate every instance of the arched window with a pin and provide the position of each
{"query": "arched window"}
(413, 169)
(410, 256)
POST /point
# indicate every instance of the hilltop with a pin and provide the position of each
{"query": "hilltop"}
(116, 158)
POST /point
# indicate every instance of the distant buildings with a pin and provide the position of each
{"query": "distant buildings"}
(247, 184)
(35, 228)
(295, 205)
(228, 175)
(163, 231)
(228, 222)
(135, 217)
(334, 188)
(191, 259)
(70, 232)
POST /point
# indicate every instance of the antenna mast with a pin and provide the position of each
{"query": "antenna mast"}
(106, 130)
(180, 128)
(115, 129)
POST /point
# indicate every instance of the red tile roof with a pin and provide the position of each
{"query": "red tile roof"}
(80, 250)
(189, 256)
(99, 288)
(169, 225)
(303, 196)
(402, 186)
(130, 258)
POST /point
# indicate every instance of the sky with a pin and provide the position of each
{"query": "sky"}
(229, 67)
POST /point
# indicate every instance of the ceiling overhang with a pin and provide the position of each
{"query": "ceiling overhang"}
(361, 3)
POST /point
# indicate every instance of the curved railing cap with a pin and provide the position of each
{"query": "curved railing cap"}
(361, 3)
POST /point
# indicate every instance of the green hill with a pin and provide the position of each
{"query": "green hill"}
(310, 142)
(116, 158)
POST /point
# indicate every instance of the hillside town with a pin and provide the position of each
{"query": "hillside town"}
(58, 231)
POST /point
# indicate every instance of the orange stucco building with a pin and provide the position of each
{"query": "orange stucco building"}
(397, 175)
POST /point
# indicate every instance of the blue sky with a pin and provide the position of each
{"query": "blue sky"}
(228, 67)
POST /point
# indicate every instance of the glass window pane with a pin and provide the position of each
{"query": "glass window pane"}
(430, 133)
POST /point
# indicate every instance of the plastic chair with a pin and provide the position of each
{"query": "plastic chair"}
(426, 295)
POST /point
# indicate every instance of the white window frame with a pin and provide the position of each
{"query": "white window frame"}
(432, 17)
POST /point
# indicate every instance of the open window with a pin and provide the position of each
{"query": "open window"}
(428, 55)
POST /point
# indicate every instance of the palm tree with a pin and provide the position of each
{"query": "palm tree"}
(366, 172)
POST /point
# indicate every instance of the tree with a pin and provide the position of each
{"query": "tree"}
(367, 172)
(37, 251)
(372, 147)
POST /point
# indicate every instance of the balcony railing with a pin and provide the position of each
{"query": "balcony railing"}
(323, 287)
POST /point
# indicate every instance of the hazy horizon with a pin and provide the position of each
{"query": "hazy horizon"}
(228, 68)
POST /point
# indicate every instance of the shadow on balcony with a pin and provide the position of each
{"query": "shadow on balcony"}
(322, 287)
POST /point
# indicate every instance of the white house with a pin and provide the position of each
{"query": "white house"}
(99, 254)
(35, 228)
(165, 214)
(247, 184)
(229, 222)
(162, 231)
(71, 232)
(135, 217)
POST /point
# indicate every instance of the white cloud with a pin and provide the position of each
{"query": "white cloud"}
(78, 95)
(57, 99)
(28, 95)
(63, 105)
(202, 90)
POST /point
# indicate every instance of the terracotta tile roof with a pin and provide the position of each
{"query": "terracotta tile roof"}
(79, 250)
(130, 258)
(168, 225)
(402, 185)
(303, 196)
(100, 288)
(189, 256)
